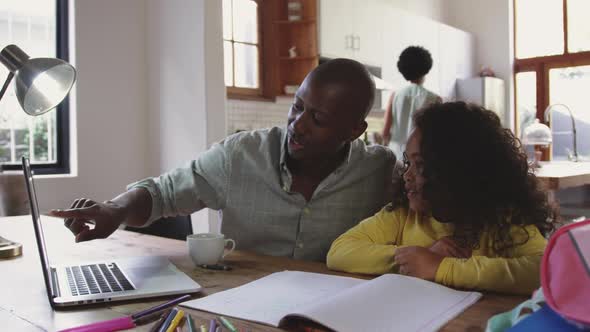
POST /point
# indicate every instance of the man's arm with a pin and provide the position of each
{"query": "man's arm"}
(202, 183)
(137, 204)
(132, 207)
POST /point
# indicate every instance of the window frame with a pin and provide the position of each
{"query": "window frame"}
(541, 65)
(267, 12)
(62, 164)
(248, 93)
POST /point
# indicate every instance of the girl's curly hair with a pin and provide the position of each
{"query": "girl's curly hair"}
(477, 176)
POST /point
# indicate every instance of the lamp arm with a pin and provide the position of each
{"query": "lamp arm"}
(5, 86)
(575, 135)
(574, 131)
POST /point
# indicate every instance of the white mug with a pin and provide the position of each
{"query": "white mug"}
(208, 248)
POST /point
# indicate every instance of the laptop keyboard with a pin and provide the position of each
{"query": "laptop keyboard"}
(97, 278)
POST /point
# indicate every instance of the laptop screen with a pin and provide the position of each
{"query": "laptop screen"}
(38, 227)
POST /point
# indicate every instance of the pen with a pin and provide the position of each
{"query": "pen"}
(117, 324)
(227, 324)
(190, 323)
(160, 307)
(168, 320)
(123, 323)
(160, 321)
(175, 321)
(152, 317)
(212, 325)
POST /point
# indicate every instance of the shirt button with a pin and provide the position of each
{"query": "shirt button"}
(300, 245)
(306, 211)
(285, 188)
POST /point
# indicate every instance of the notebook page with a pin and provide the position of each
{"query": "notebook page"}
(391, 303)
(269, 299)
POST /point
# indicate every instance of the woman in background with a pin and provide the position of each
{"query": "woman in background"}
(414, 63)
(471, 214)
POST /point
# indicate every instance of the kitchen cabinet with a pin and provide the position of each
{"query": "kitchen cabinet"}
(351, 29)
(300, 36)
(456, 59)
(375, 32)
(408, 30)
(451, 49)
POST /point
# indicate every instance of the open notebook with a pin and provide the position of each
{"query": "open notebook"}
(389, 302)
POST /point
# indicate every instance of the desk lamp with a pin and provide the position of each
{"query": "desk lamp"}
(537, 134)
(41, 84)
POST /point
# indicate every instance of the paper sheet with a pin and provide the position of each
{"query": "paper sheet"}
(387, 303)
(391, 303)
(269, 299)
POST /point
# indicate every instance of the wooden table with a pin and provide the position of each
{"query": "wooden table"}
(24, 305)
(563, 174)
(556, 175)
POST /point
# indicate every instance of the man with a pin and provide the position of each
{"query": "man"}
(283, 191)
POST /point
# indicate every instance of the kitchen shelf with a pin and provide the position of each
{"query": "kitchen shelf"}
(302, 35)
(299, 58)
(304, 21)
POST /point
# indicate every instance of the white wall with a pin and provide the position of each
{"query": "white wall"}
(109, 110)
(490, 21)
(215, 95)
(149, 74)
(185, 89)
(433, 9)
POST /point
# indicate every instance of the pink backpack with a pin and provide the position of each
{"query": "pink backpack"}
(565, 273)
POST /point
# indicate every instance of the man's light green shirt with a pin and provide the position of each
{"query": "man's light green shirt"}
(246, 177)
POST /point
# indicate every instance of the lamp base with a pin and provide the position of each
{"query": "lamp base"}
(537, 158)
(9, 249)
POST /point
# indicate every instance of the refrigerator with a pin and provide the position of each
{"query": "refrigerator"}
(488, 92)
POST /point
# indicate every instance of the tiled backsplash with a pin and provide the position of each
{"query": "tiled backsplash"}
(248, 115)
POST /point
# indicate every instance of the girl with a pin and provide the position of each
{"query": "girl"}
(471, 214)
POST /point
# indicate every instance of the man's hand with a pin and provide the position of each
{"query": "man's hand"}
(106, 217)
(448, 248)
(417, 262)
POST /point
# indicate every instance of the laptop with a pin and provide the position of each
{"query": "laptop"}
(104, 281)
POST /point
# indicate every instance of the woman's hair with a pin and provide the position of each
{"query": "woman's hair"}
(414, 62)
(477, 176)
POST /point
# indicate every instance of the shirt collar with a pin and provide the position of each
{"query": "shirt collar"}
(283, 160)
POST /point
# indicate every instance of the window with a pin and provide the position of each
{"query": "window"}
(38, 27)
(552, 66)
(242, 47)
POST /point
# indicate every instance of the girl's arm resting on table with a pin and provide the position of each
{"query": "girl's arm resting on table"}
(367, 248)
(518, 275)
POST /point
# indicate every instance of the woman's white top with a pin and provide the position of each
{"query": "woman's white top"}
(405, 102)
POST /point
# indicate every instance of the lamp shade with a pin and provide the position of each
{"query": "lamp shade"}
(537, 134)
(41, 83)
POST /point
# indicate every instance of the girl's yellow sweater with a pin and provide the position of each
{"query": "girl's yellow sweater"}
(369, 248)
